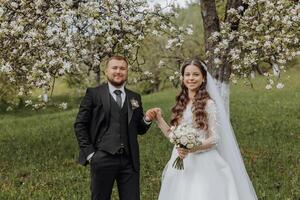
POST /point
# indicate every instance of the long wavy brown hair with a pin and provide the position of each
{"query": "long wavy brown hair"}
(198, 108)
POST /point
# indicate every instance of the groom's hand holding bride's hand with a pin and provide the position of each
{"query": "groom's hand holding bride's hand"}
(151, 114)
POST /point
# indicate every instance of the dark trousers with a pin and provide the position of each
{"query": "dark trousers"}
(106, 169)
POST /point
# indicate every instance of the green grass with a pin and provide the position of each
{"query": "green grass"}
(268, 130)
(38, 149)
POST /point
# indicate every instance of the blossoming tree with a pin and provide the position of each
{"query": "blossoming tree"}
(252, 33)
(44, 39)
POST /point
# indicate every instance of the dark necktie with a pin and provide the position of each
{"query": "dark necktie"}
(119, 98)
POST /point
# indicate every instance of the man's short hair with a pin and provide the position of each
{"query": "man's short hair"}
(116, 57)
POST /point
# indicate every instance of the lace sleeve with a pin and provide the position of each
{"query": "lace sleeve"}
(212, 139)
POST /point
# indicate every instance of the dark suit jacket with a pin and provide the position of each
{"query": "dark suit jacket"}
(93, 121)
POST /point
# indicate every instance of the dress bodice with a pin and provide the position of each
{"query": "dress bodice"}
(209, 136)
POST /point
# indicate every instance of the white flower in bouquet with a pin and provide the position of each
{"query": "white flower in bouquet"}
(183, 140)
(184, 136)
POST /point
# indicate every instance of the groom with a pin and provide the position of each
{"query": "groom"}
(109, 119)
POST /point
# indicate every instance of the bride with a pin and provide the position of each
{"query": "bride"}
(213, 170)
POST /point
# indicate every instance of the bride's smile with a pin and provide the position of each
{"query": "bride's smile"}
(192, 77)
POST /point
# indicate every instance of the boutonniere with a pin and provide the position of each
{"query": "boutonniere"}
(134, 104)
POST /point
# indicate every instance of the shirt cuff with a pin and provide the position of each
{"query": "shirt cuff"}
(147, 122)
(90, 156)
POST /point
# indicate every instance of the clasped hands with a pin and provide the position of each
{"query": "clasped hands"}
(153, 114)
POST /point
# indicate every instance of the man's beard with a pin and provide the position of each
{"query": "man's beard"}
(116, 84)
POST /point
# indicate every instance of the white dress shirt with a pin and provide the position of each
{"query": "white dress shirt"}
(112, 88)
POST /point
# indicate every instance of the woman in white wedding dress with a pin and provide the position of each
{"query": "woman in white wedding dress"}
(213, 170)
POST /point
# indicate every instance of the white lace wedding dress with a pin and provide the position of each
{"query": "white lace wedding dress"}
(206, 175)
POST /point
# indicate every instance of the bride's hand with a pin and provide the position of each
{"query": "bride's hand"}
(182, 152)
(158, 113)
(193, 150)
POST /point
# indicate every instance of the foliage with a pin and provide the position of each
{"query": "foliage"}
(244, 49)
(268, 32)
(162, 61)
(7, 92)
(44, 39)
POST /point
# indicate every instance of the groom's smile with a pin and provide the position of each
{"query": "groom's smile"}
(117, 72)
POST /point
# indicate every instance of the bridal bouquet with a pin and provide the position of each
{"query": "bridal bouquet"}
(184, 136)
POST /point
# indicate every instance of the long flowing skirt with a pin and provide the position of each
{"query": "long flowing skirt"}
(206, 176)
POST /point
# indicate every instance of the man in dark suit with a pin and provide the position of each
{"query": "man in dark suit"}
(109, 119)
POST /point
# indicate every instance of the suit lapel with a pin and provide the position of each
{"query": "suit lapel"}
(130, 111)
(104, 95)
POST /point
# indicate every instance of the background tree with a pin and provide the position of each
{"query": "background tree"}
(250, 34)
(43, 40)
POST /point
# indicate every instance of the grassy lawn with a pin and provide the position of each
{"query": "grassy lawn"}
(38, 149)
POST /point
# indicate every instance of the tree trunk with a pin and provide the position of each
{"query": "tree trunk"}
(45, 97)
(211, 24)
(98, 77)
(97, 71)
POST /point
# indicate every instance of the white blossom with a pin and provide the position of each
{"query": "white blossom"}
(215, 34)
(171, 78)
(268, 86)
(1, 11)
(63, 106)
(281, 61)
(141, 37)
(127, 46)
(6, 68)
(28, 103)
(50, 53)
(232, 11)
(9, 108)
(67, 66)
(240, 8)
(161, 63)
(217, 50)
(14, 5)
(267, 44)
(155, 32)
(171, 42)
(279, 85)
(217, 61)
(189, 31)
(147, 73)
